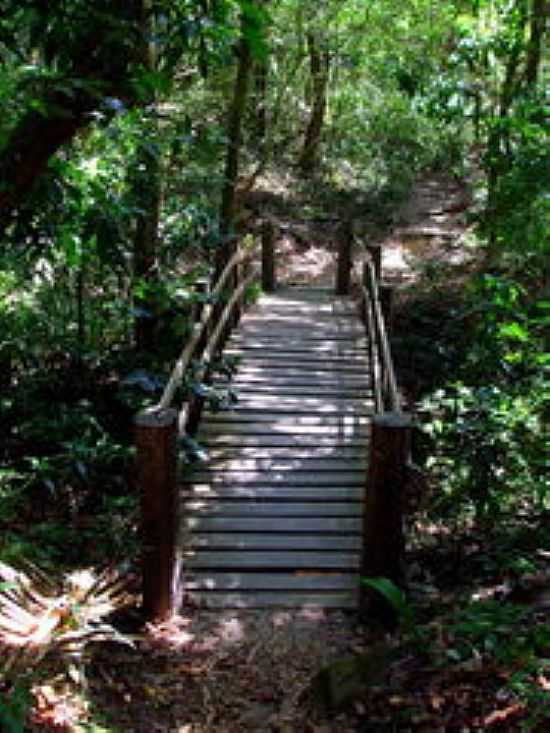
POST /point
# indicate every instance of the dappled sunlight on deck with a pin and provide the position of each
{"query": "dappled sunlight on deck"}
(273, 517)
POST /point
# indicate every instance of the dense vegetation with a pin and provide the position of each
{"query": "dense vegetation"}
(138, 136)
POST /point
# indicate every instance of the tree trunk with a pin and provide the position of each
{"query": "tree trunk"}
(147, 190)
(319, 60)
(61, 114)
(260, 104)
(234, 141)
(537, 29)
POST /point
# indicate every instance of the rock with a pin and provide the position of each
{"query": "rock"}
(348, 678)
(257, 717)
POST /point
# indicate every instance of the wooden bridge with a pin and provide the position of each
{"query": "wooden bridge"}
(276, 513)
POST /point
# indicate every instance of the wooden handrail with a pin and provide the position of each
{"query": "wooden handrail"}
(198, 330)
(380, 323)
(190, 414)
(386, 393)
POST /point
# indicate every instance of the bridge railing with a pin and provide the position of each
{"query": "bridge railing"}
(391, 426)
(158, 428)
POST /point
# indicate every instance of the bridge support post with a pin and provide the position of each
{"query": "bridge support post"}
(269, 279)
(386, 303)
(375, 251)
(155, 439)
(383, 537)
(201, 288)
(344, 264)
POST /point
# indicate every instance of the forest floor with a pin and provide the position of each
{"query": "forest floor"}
(266, 671)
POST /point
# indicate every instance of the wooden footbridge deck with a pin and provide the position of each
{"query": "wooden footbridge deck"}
(300, 492)
(274, 517)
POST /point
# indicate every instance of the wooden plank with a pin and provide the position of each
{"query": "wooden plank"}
(280, 332)
(312, 582)
(315, 310)
(312, 465)
(345, 421)
(260, 378)
(274, 509)
(280, 427)
(303, 390)
(296, 400)
(305, 525)
(272, 478)
(276, 559)
(297, 357)
(317, 373)
(272, 599)
(280, 441)
(321, 351)
(280, 493)
(315, 317)
(307, 405)
(301, 453)
(302, 367)
(316, 344)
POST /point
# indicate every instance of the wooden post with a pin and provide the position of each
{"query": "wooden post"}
(383, 539)
(155, 437)
(344, 264)
(375, 251)
(236, 316)
(201, 288)
(386, 303)
(268, 257)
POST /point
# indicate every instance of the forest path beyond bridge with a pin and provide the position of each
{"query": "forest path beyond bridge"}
(273, 517)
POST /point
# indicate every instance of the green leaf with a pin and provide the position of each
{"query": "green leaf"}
(513, 330)
(393, 595)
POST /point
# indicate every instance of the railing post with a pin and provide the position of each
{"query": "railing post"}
(383, 539)
(268, 257)
(239, 277)
(375, 339)
(375, 251)
(201, 288)
(386, 303)
(155, 438)
(344, 264)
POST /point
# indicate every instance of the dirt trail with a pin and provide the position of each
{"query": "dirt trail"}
(431, 228)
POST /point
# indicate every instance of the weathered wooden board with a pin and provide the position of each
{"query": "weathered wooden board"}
(308, 405)
(345, 421)
(311, 582)
(282, 366)
(274, 509)
(253, 379)
(304, 349)
(283, 559)
(305, 525)
(278, 478)
(303, 390)
(356, 358)
(280, 441)
(267, 541)
(273, 493)
(294, 452)
(281, 427)
(316, 345)
(310, 465)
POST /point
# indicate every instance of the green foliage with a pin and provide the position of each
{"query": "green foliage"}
(14, 707)
(394, 596)
(503, 632)
(518, 213)
(487, 428)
